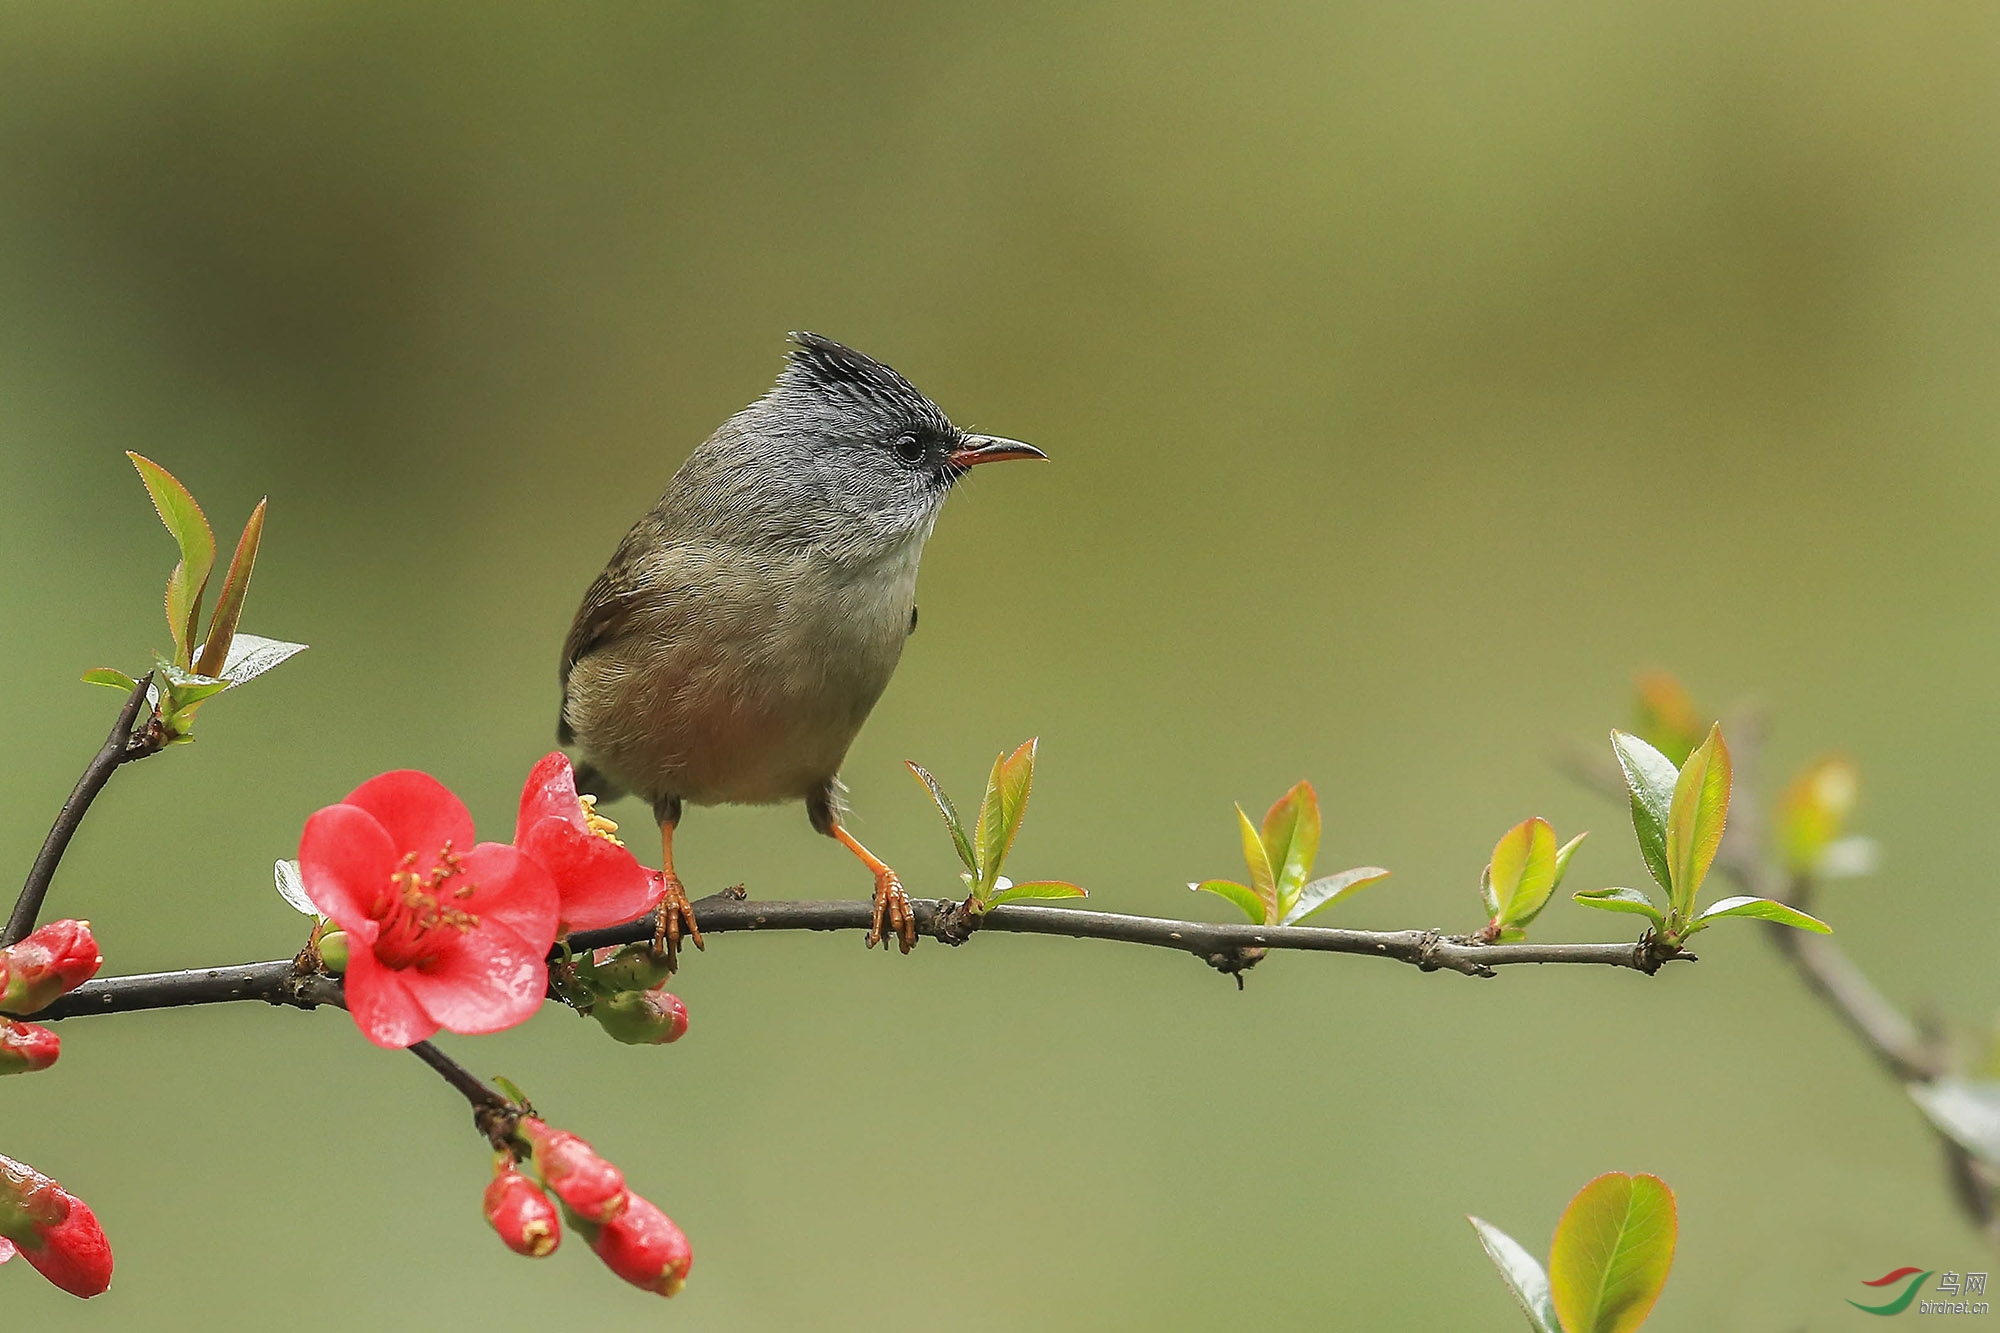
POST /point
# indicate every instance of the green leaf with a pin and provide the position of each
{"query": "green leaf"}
(1650, 777)
(229, 602)
(1330, 889)
(1522, 1274)
(1242, 895)
(948, 811)
(1000, 813)
(1967, 1111)
(1621, 900)
(1563, 854)
(110, 677)
(1522, 873)
(251, 655)
(184, 686)
(1291, 840)
(1762, 909)
(1696, 818)
(1612, 1251)
(1040, 888)
(184, 519)
(292, 888)
(1262, 878)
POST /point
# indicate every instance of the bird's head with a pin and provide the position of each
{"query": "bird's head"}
(843, 432)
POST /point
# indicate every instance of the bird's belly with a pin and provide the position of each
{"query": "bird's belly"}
(761, 703)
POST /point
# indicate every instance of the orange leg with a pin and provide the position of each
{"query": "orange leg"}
(674, 910)
(890, 900)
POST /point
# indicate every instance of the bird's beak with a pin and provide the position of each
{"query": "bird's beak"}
(990, 449)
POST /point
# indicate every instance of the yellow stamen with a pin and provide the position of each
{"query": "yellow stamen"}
(599, 824)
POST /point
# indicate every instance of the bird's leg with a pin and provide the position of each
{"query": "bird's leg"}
(892, 905)
(890, 900)
(674, 910)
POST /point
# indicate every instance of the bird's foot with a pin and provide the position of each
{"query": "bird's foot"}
(893, 906)
(674, 913)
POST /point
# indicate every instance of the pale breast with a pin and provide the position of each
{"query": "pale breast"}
(746, 679)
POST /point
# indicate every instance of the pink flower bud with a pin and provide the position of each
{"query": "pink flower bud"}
(52, 961)
(521, 1213)
(643, 1246)
(591, 1187)
(53, 1230)
(642, 1017)
(26, 1047)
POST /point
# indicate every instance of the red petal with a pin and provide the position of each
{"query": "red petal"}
(382, 1004)
(510, 888)
(75, 1254)
(345, 860)
(487, 979)
(6, 1249)
(419, 812)
(597, 882)
(550, 793)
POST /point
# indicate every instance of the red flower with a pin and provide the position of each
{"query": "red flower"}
(52, 961)
(26, 1047)
(643, 1246)
(588, 1185)
(436, 936)
(599, 882)
(521, 1213)
(53, 1230)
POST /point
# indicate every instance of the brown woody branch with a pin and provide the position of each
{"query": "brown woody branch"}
(1228, 948)
(119, 747)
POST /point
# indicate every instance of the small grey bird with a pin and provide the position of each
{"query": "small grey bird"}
(733, 647)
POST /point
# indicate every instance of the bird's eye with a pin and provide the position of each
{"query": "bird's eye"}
(909, 448)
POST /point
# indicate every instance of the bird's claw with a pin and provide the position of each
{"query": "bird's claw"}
(892, 905)
(674, 913)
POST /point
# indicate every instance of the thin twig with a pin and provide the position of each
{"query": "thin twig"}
(118, 747)
(278, 982)
(470, 1085)
(493, 1114)
(1229, 948)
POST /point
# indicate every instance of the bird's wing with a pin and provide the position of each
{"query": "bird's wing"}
(606, 612)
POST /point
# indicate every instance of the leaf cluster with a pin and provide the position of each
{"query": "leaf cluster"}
(1526, 869)
(1001, 810)
(1679, 814)
(1279, 854)
(201, 666)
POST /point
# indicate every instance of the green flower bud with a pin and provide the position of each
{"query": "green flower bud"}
(633, 968)
(642, 1017)
(333, 950)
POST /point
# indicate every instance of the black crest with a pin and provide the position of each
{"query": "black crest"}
(821, 364)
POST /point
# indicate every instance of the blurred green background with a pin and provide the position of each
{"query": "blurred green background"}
(1413, 374)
